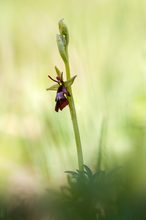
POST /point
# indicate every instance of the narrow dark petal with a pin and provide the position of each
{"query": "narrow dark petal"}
(53, 79)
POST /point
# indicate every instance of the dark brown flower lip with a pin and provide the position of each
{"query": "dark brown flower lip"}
(62, 93)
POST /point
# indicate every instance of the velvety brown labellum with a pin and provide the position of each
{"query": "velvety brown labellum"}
(61, 100)
(62, 93)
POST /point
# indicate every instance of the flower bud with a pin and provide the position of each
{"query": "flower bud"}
(64, 31)
(61, 47)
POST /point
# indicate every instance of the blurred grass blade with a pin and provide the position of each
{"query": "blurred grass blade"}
(101, 143)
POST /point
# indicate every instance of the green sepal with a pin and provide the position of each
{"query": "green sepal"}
(54, 87)
(69, 82)
(58, 71)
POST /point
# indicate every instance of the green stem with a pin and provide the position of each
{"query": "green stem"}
(74, 121)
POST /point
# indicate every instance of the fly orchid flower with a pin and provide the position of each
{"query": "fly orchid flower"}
(62, 90)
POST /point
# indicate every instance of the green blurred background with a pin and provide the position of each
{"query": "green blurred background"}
(107, 52)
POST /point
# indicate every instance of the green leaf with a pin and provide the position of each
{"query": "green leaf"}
(69, 82)
(88, 171)
(73, 173)
(53, 88)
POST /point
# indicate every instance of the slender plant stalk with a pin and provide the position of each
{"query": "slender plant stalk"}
(75, 121)
(62, 42)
